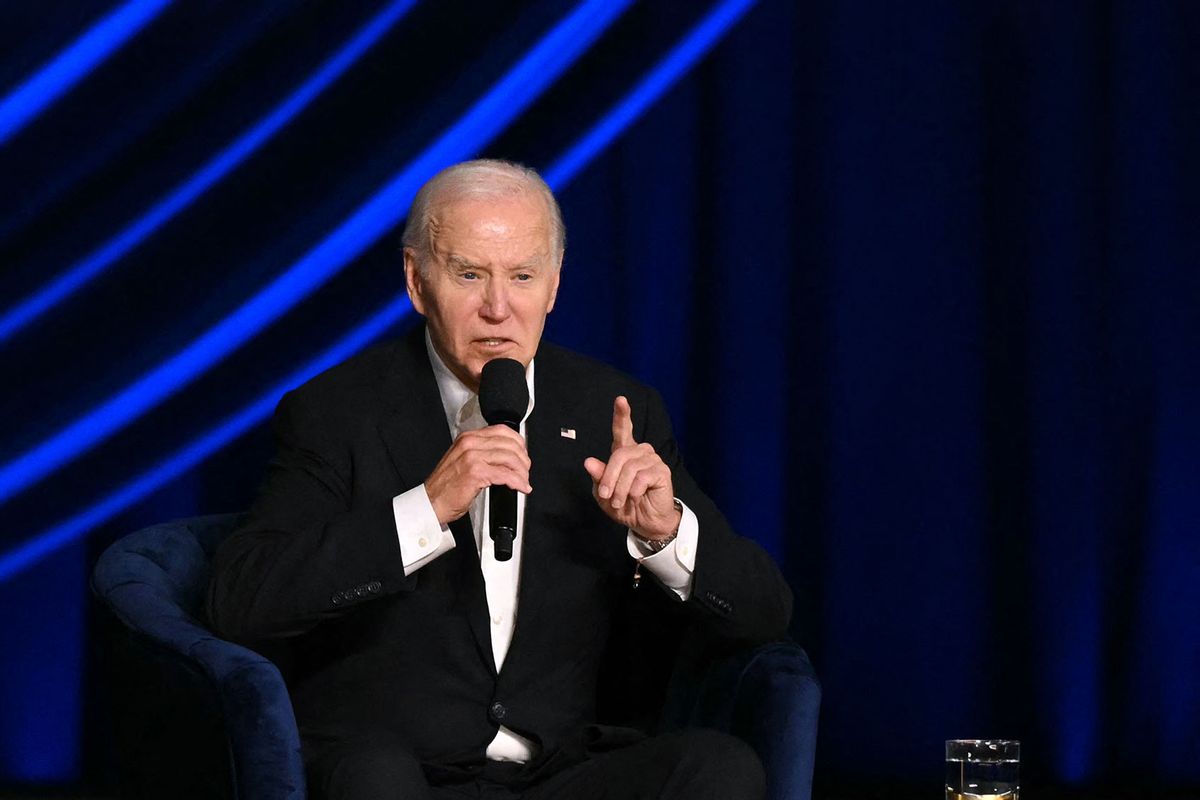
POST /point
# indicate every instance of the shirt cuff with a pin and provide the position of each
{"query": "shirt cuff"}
(675, 563)
(422, 537)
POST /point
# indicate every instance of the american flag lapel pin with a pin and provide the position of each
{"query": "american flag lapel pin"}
(566, 433)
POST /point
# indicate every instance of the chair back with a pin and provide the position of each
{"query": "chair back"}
(171, 561)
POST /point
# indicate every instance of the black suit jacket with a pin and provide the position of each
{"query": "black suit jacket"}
(318, 566)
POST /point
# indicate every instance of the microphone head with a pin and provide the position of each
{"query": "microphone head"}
(503, 392)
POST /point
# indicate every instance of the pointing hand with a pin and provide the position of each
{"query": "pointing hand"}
(634, 487)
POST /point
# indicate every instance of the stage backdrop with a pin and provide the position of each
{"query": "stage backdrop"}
(919, 281)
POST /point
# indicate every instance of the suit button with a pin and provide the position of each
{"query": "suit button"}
(498, 710)
(374, 586)
(337, 598)
(361, 591)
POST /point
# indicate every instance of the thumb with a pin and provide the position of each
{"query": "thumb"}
(595, 468)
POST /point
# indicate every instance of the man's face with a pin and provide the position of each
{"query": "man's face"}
(489, 284)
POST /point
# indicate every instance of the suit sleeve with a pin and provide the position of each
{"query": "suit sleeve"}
(737, 592)
(306, 553)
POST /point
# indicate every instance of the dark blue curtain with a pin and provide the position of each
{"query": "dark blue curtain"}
(920, 283)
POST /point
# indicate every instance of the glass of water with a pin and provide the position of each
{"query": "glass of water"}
(982, 769)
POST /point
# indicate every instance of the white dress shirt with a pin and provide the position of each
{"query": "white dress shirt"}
(423, 538)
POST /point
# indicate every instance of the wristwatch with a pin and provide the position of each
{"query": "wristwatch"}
(658, 545)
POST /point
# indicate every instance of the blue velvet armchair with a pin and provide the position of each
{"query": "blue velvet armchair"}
(196, 716)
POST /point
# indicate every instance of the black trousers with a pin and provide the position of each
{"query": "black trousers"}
(695, 764)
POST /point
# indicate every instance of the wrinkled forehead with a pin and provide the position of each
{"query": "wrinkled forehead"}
(510, 222)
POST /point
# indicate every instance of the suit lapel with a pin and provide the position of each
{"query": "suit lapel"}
(416, 435)
(414, 427)
(472, 594)
(549, 454)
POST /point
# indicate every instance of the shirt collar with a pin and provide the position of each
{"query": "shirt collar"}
(455, 393)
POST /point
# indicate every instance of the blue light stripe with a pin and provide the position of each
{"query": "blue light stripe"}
(196, 451)
(182, 195)
(666, 72)
(502, 103)
(565, 168)
(57, 76)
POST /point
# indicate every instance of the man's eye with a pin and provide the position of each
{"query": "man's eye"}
(470, 276)
(524, 276)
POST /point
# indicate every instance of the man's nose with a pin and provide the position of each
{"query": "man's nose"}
(495, 301)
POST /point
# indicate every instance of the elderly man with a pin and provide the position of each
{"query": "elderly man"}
(421, 665)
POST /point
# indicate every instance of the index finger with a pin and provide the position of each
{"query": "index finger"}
(622, 423)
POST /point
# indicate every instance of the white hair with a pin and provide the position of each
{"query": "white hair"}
(481, 178)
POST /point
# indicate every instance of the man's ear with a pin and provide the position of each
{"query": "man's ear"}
(412, 279)
(554, 288)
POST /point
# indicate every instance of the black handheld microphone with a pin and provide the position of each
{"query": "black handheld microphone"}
(503, 399)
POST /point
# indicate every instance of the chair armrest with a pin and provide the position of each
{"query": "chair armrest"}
(769, 697)
(193, 705)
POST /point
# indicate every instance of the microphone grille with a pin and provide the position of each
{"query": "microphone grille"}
(503, 392)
